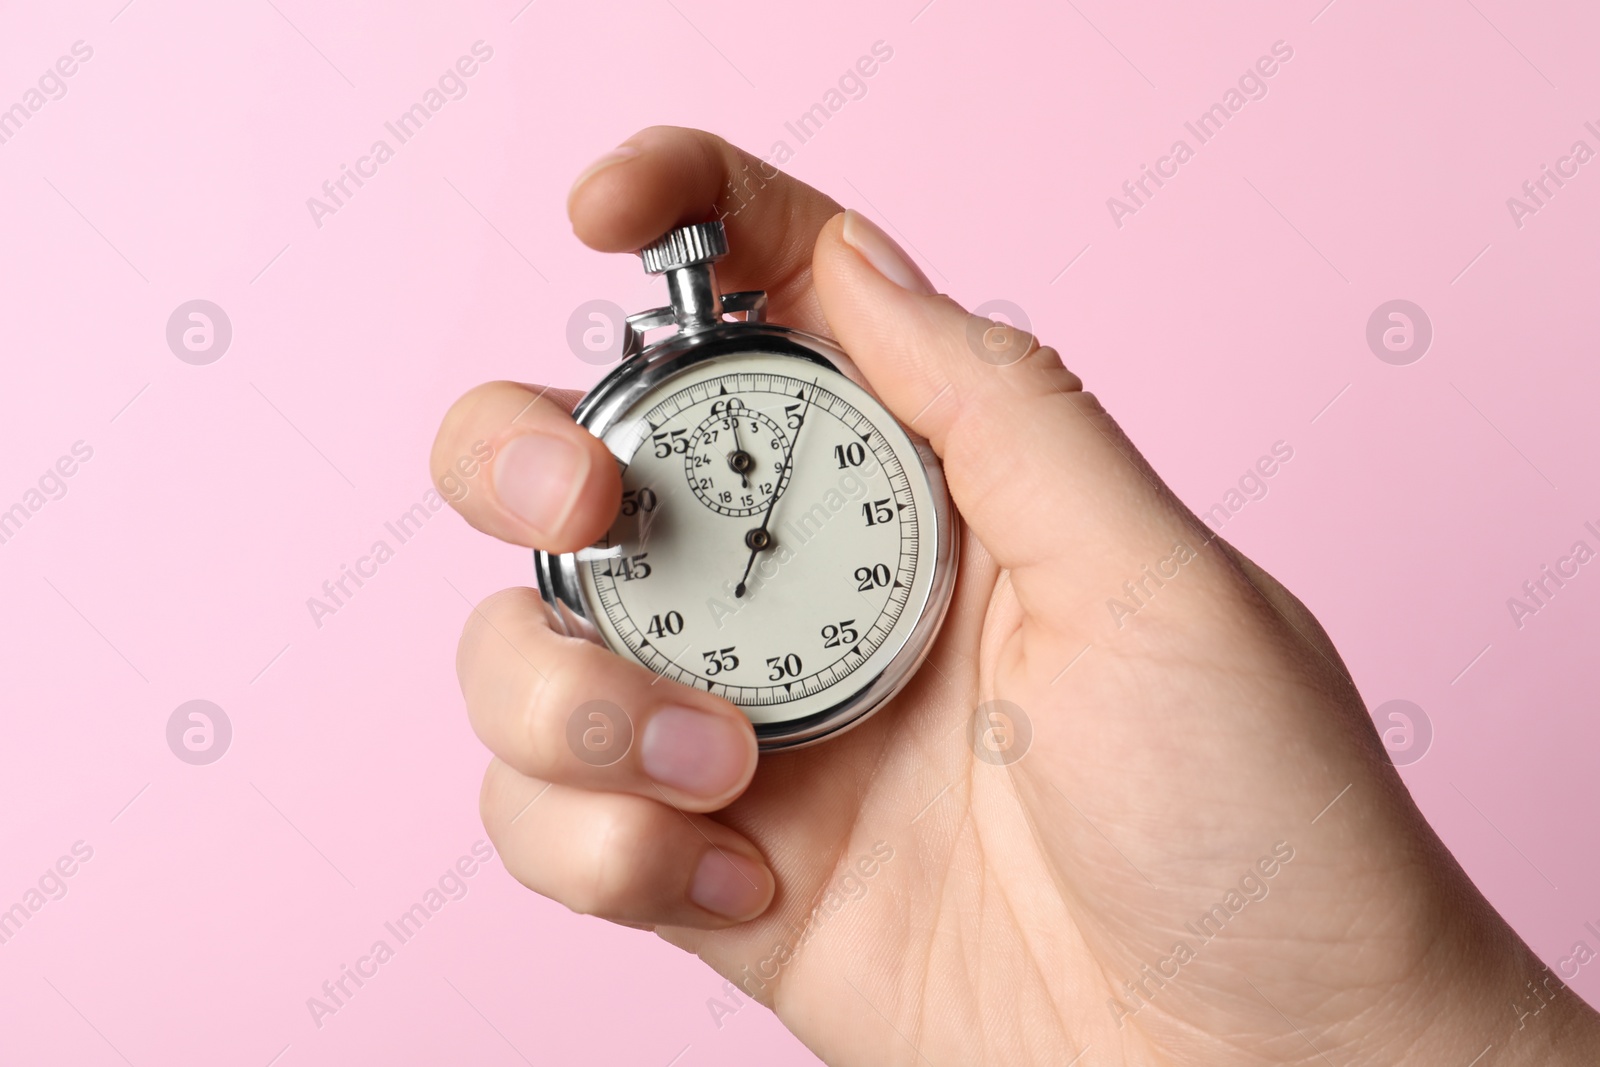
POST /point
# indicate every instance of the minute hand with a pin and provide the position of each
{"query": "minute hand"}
(759, 537)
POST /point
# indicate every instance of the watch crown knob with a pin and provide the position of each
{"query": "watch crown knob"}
(686, 246)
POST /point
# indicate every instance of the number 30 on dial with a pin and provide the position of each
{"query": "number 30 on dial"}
(782, 541)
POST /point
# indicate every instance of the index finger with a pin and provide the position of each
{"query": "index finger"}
(667, 176)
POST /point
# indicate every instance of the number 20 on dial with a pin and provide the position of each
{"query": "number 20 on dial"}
(783, 541)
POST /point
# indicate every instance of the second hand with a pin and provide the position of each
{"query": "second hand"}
(759, 538)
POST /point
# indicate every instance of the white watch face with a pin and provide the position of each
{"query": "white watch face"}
(776, 540)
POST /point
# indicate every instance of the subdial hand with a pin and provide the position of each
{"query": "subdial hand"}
(759, 539)
(739, 461)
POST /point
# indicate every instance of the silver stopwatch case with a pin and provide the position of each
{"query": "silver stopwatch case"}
(686, 256)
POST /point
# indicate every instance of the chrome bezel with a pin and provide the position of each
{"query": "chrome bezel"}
(619, 391)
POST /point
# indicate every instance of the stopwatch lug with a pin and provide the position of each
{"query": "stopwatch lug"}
(752, 302)
(640, 323)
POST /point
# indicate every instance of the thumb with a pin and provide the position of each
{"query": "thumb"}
(1041, 474)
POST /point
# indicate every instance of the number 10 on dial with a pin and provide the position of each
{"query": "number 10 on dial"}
(782, 542)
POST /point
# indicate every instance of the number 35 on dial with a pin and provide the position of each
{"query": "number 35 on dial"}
(782, 541)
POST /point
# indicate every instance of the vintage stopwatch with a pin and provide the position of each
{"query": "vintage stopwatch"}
(783, 541)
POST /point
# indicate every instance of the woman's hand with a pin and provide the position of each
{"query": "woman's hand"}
(1202, 856)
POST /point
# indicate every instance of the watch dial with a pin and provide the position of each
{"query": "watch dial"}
(776, 536)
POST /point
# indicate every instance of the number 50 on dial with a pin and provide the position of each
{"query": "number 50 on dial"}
(783, 541)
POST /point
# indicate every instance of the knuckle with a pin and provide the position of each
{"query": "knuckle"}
(485, 628)
(504, 606)
(619, 846)
(551, 695)
(496, 797)
(456, 419)
(571, 687)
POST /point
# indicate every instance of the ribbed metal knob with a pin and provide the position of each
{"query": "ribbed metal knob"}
(702, 242)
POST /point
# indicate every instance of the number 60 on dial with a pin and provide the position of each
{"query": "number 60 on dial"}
(782, 542)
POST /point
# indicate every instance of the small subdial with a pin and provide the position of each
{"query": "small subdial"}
(736, 460)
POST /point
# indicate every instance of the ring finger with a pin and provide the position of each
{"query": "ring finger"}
(620, 857)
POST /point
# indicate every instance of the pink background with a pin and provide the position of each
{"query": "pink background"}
(1223, 317)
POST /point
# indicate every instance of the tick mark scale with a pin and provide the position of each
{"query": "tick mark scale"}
(844, 532)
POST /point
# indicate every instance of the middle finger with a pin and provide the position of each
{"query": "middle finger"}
(566, 710)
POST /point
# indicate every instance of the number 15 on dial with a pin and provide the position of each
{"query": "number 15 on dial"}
(783, 541)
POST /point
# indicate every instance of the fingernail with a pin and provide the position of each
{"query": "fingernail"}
(730, 885)
(695, 752)
(877, 248)
(538, 478)
(615, 156)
